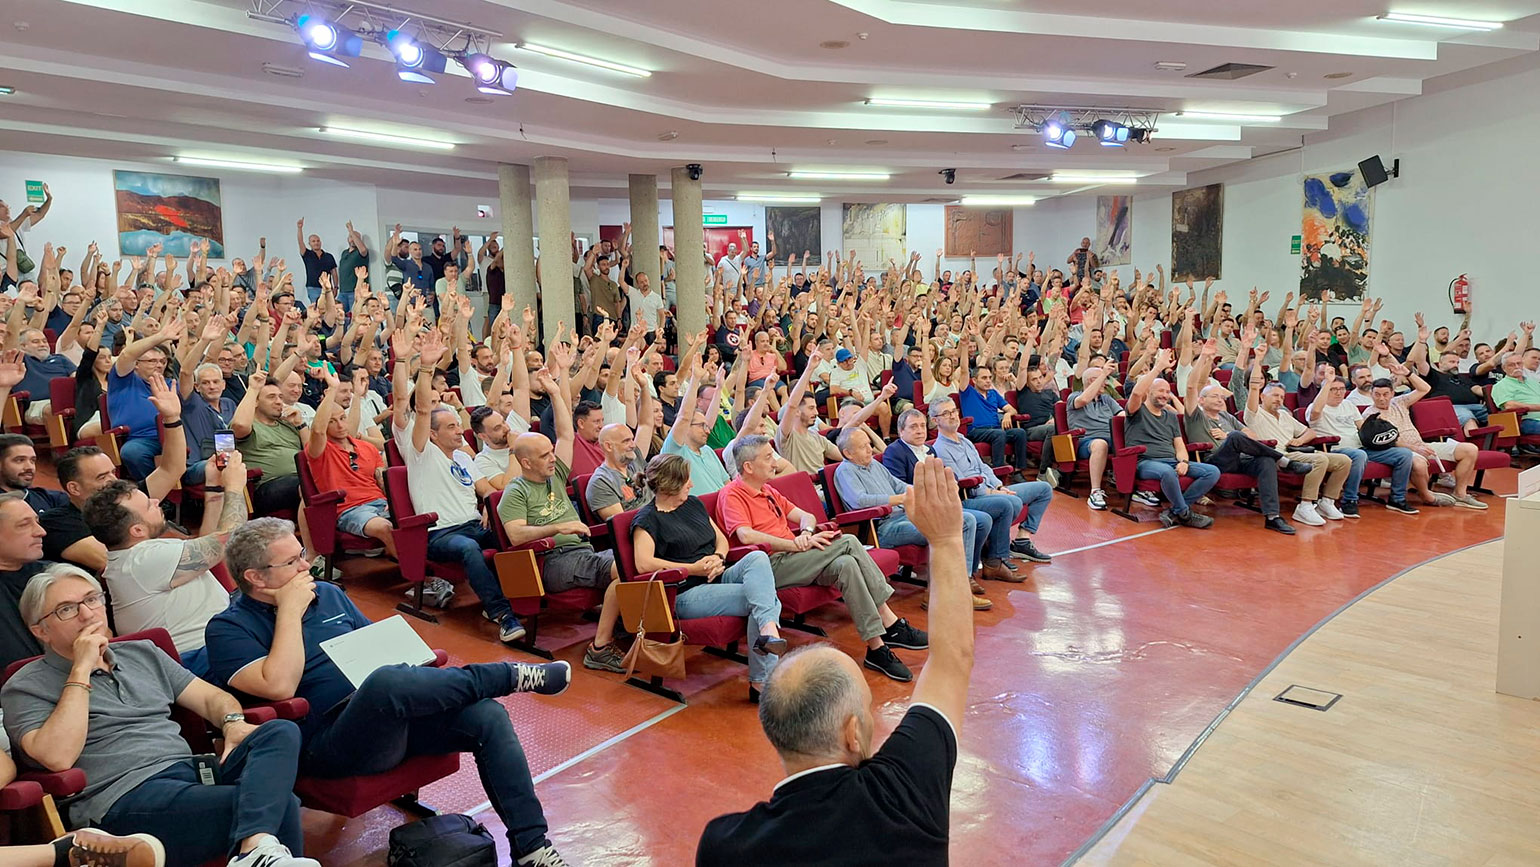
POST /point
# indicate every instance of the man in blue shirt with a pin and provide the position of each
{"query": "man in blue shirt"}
(43, 366)
(992, 416)
(268, 644)
(128, 396)
(906, 372)
(1004, 504)
(414, 270)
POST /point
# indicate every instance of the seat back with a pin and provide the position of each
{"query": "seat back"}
(393, 454)
(580, 498)
(307, 485)
(61, 393)
(1117, 431)
(397, 494)
(1060, 416)
(101, 405)
(798, 488)
(830, 492)
(625, 555)
(1433, 416)
(498, 530)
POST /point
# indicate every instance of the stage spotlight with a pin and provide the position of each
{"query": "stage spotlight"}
(1141, 136)
(1109, 133)
(1057, 135)
(413, 59)
(491, 75)
(328, 41)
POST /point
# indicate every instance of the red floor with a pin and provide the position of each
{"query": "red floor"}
(1092, 677)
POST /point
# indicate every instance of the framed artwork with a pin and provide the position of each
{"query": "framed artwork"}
(1114, 230)
(876, 233)
(171, 210)
(796, 230)
(986, 231)
(1334, 237)
(1197, 233)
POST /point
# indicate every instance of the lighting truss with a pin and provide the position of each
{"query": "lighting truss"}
(374, 22)
(1082, 118)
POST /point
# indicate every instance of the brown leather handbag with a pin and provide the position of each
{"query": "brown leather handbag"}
(655, 658)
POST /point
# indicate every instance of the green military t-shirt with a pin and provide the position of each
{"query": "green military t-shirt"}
(271, 448)
(541, 504)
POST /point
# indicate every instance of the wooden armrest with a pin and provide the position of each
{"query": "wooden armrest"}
(324, 498)
(824, 526)
(1200, 447)
(60, 784)
(1439, 432)
(440, 658)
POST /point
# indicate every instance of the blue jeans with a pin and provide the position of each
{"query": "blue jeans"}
(463, 545)
(195, 473)
(1037, 497)
(345, 301)
(139, 454)
(402, 711)
(1400, 462)
(198, 823)
(1003, 505)
(1203, 476)
(1529, 426)
(1355, 477)
(997, 439)
(746, 589)
(1468, 412)
(892, 532)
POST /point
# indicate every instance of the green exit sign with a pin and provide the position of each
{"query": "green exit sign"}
(1294, 244)
(714, 220)
(35, 194)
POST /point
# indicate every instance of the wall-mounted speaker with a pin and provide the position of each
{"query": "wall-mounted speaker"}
(1374, 171)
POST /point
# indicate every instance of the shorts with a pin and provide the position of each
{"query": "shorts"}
(1444, 450)
(1083, 445)
(354, 520)
(576, 566)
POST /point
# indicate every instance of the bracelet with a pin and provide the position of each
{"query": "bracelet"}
(213, 489)
(85, 686)
(171, 424)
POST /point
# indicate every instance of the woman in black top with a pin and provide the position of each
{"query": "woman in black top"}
(674, 532)
(91, 382)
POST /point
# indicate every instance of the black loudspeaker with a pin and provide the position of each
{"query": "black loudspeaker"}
(1374, 172)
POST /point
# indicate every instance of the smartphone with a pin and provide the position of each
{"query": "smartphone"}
(224, 441)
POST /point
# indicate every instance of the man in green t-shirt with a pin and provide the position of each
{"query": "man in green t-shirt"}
(269, 435)
(354, 257)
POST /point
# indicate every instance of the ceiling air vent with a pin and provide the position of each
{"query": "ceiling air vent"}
(1231, 71)
(1027, 176)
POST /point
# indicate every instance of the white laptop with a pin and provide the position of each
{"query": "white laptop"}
(386, 642)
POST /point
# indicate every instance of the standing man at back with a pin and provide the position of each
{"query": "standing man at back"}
(840, 796)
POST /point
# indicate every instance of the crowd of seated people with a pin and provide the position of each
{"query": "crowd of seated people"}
(738, 453)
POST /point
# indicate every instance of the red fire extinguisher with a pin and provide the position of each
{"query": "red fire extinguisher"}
(1459, 294)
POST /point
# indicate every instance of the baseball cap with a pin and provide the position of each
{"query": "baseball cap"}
(844, 355)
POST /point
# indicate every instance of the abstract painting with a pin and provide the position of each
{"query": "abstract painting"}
(1334, 247)
(984, 231)
(796, 230)
(171, 210)
(1197, 233)
(1114, 230)
(876, 233)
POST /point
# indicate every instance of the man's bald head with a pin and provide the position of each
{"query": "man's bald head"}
(529, 445)
(816, 705)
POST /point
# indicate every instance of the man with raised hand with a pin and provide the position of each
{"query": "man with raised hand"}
(839, 794)
(1154, 422)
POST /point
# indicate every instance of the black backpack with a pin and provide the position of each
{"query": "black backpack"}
(1376, 433)
(450, 840)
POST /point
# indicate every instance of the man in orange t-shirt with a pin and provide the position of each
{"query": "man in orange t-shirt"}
(351, 465)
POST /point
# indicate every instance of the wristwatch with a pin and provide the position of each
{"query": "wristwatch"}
(231, 718)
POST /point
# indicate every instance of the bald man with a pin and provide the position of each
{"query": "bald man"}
(839, 795)
(620, 483)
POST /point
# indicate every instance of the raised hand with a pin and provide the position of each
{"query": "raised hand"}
(12, 369)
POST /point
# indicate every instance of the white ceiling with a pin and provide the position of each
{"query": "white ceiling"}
(745, 86)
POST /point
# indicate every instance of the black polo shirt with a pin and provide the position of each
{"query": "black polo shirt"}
(16, 640)
(891, 809)
(65, 526)
(1455, 386)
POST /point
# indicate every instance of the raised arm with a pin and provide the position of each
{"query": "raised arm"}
(1142, 386)
(794, 400)
(934, 508)
(433, 349)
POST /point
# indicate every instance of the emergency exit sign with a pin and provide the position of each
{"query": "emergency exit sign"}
(1294, 243)
(714, 220)
(35, 194)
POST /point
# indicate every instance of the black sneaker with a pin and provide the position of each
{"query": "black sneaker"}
(1298, 468)
(1024, 549)
(1401, 506)
(1168, 518)
(509, 629)
(882, 659)
(1194, 520)
(1348, 509)
(546, 678)
(904, 636)
(1278, 524)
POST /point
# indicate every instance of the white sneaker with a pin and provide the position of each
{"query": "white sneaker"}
(271, 853)
(1097, 501)
(1442, 499)
(1306, 514)
(1147, 498)
(546, 856)
(1328, 509)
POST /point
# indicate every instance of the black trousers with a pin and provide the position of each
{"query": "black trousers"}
(1242, 454)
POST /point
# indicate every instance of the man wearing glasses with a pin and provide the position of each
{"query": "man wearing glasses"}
(268, 644)
(166, 583)
(128, 395)
(105, 710)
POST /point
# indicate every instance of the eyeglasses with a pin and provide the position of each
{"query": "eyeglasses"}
(71, 610)
(287, 564)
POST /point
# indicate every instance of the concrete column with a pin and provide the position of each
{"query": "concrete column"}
(553, 203)
(644, 228)
(689, 238)
(518, 241)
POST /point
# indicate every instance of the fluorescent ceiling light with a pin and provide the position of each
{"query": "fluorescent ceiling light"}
(1440, 21)
(249, 167)
(780, 200)
(1225, 115)
(579, 58)
(387, 138)
(929, 103)
(1095, 179)
(996, 201)
(838, 176)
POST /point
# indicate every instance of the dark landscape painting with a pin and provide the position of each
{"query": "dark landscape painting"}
(171, 210)
(1197, 233)
(796, 230)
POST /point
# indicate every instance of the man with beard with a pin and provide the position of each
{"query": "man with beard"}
(42, 366)
(166, 583)
(18, 469)
(620, 483)
(1154, 424)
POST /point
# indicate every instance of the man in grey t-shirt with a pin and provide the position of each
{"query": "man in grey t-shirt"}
(620, 483)
(1155, 423)
(140, 772)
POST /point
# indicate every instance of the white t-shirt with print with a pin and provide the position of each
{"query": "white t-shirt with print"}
(440, 484)
(139, 579)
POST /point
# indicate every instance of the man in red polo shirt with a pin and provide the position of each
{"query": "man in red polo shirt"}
(756, 514)
(349, 464)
